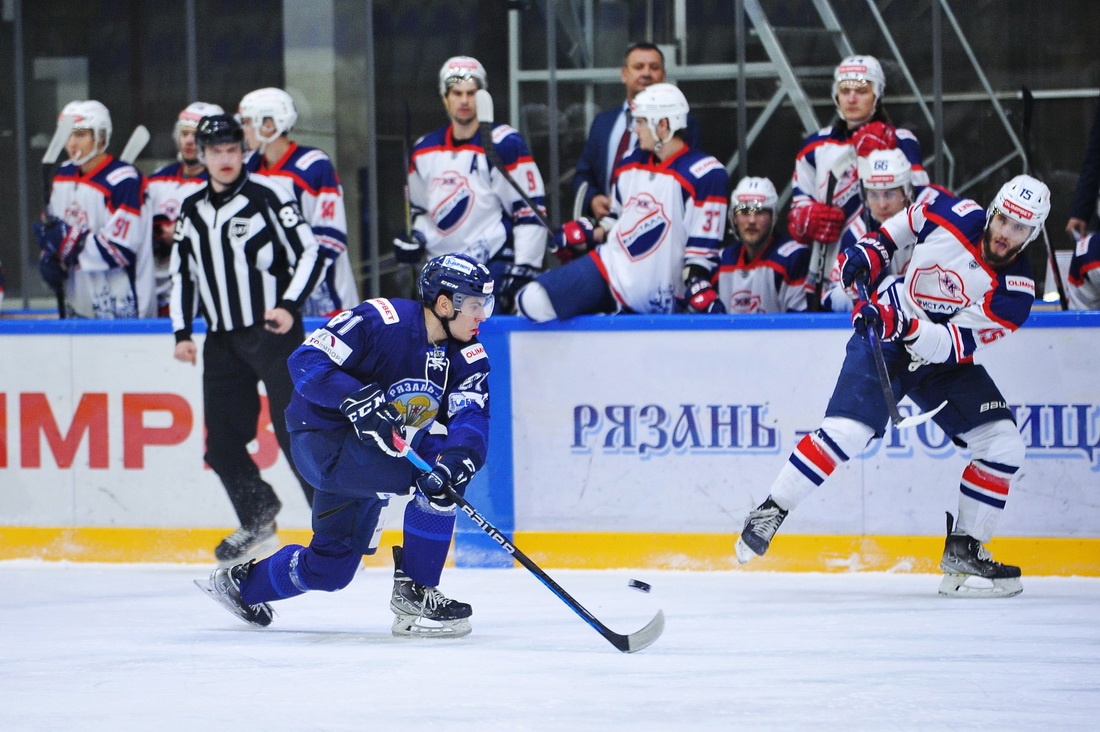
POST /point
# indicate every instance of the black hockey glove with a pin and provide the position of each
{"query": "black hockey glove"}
(409, 248)
(56, 237)
(453, 470)
(373, 417)
(514, 279)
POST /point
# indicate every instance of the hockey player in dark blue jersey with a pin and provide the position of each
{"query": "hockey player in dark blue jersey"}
(966, 288)
(385, 365)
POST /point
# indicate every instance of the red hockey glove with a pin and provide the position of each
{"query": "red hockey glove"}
(816, 222)
(573, 239)
(701, 297)
(874, 136)
(868, 256)
(890, 323)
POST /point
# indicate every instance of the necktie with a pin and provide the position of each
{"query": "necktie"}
(624, 143)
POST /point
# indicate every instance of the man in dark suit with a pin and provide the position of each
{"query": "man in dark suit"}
(611, 137)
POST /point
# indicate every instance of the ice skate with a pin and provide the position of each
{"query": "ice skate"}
(760, 526)
(969, 569)
(245, 544)
(425, 612)
(224, 585)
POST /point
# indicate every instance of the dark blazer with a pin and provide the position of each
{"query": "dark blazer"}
(592, 167)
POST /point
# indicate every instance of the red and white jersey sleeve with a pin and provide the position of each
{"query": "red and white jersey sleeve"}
(1083, 283)
(671, 213)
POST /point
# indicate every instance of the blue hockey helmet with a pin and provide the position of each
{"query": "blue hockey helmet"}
(456, 275)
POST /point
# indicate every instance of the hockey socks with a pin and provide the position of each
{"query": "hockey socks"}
(325, 564)
(427, 539)
(983, 492)
(816, 456)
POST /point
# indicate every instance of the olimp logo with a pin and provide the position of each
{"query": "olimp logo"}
(238, 228)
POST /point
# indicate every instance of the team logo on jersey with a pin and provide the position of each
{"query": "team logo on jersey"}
(938, 290)
(169, 209)
(646, 226)
(75, 216)
(328, 344)
(416, 400)
(238, 228)
(455, 200)
(745, 301)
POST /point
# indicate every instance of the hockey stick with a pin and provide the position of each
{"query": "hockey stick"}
(1025, 132)
(578, 200)
(139, 138)
(406, 146)
(884, 376)
(629, 643)
(53, 151)
(485, 124)
(838, 170)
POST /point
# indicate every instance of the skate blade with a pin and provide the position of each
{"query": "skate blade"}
(264, 549)
(260, 621)
(743, 552)
(413, 626)
(973, 587)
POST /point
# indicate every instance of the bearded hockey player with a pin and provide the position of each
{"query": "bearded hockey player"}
(966, 287)
(385, 365)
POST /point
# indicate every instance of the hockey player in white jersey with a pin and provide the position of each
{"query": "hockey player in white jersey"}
(966, 287)
(760, 273)
(658, 249)
(886, 182)
(825, 187)
(166, 190)
(1083, 282)
(94, 244)
(267, 116)
(460, 203)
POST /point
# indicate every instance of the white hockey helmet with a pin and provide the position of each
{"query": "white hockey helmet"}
(661, 101)
(860, 68)
(90, 115)
(886, 169)
(189, 117)
(1023, 199)
(461, 68)
(757, 193)
(260, 104)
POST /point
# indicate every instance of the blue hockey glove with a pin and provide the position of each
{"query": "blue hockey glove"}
(573, 239)
(373, 417)
(59, 239)
(890, 323)
(701, 297)
(409, 248)
(867, 255)
(52, 272)
(453, 470)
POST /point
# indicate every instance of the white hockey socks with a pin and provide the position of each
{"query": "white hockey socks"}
(816, 456)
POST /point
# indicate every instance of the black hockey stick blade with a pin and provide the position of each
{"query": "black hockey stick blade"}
(884, 376)
(630, 643)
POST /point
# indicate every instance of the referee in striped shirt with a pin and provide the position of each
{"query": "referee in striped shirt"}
(244, 255)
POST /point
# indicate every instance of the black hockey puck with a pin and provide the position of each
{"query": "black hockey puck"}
(639, 585)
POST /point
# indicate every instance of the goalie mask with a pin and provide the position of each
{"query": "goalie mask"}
(459, 276)
(661, 101)
(90, 115)
(268, 103)
(461, 68)
(1025, 200)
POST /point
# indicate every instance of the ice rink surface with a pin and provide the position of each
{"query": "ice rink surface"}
(138, 647)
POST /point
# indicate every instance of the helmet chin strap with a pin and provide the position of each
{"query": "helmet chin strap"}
(445, 322)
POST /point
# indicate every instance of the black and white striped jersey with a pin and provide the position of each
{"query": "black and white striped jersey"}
(239, 253)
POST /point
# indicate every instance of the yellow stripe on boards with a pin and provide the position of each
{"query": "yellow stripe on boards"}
(594, 550)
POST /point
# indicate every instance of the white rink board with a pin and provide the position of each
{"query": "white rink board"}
(575, 472)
